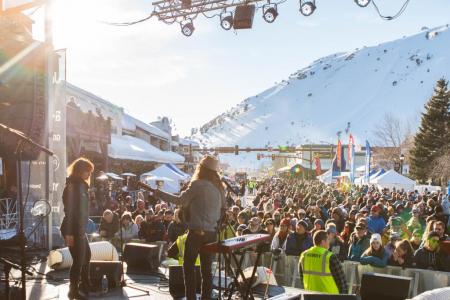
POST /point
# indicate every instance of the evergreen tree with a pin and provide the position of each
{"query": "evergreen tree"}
(433, 136)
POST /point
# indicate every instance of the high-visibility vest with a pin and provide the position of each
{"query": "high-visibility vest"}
(317, 276)
(181, 243)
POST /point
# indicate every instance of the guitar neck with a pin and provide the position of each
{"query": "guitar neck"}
(145, 187)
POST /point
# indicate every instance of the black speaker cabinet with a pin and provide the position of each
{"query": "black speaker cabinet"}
(22, 98)
(387, 287)
(176, 281)
(141, 256)
(243, 16)
(111, 269)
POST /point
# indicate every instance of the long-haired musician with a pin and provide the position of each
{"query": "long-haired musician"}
(202, 201)
(73, 227)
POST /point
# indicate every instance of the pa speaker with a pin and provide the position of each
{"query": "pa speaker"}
(176, 281)
(243, 16)
(141, 256)
(22, 98)
(111, 269)
(387, 287)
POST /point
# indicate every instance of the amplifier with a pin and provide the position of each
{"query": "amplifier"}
(141, 256)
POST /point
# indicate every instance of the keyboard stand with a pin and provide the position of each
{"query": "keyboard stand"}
(246, 283)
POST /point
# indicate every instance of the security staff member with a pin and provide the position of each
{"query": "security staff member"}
(320, 270)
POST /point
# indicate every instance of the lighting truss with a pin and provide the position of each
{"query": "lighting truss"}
(171, 11)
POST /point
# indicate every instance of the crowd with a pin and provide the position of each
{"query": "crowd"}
(379, 228)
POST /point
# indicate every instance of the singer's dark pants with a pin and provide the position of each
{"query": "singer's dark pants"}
(194, 242)
(81, 255)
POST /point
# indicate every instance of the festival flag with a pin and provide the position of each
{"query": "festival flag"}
(351, 157)
(367, 173)
(339, 155)
(318, 166)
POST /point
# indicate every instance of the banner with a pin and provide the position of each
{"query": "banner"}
(339, 155)
(318, 166)
(367, 171)
(351, 157)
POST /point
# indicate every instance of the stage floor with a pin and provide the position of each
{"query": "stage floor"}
(56, 286)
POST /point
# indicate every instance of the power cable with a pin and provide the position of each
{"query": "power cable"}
(128, 23)
(390, 18)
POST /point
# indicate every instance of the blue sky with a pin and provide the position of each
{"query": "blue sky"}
(152, 70)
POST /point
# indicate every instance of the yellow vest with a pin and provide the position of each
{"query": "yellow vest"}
(181, 242)
(317, 276)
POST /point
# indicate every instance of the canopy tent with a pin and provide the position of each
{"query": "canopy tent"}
(113, 176)
(132, 148)
(326, 177)
(392, 179)
(176, 169)
(372, 175)
(165, 171)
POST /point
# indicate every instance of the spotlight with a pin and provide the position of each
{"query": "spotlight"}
(187, 27)
(307, 8)
(226, 21)
(362, 3)
(270, 13)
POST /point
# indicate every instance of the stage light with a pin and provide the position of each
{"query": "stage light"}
(187, 27)
(270, 13)
(226, 21)
(307, 8)
(362, 3)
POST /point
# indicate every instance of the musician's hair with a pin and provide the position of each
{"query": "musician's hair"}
(78, 166)
(204, 173)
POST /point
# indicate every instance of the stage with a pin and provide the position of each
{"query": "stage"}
(56, 286)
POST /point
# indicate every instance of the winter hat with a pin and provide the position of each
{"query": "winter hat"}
(319, 221)
(375, 237)
(293, 222)
(303, 223)
(285, 222)
(331, 228)
(210, 162)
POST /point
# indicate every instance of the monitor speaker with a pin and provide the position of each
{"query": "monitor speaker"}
(243, 16)
(392, 287)
(111, 269)
(141, 256)
(176, 281)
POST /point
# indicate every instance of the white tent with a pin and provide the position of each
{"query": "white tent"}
(165, 171)
(326, 177)
(392, 179)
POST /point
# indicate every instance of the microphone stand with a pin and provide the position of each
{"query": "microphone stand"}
(23, 140)
(123, 282)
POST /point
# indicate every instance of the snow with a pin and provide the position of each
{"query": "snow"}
(132, 148)
(317, 101)
(129, 123)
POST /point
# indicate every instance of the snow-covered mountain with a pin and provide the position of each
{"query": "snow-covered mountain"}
(352, 90)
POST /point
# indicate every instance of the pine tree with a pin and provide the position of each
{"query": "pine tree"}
(434, 132)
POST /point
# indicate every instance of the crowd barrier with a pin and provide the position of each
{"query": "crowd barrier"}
(285, 270)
